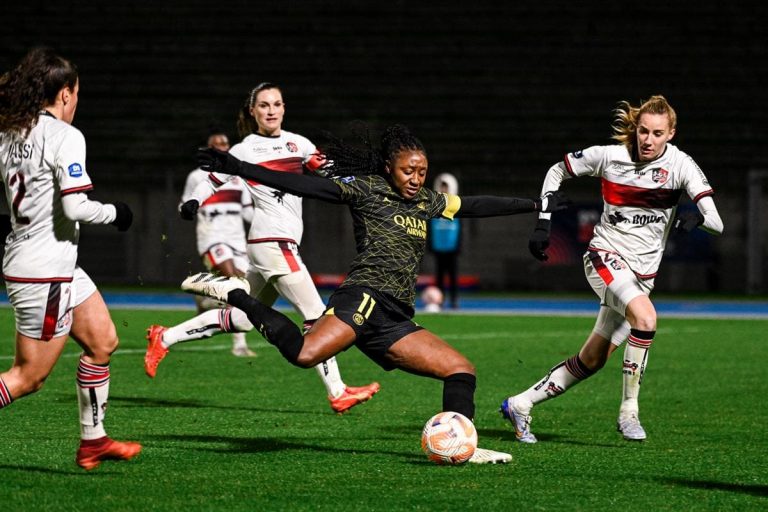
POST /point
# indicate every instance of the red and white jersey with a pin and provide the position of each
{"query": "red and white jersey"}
(37, 172)
(640, 199)
(277, 215)
(221, 217)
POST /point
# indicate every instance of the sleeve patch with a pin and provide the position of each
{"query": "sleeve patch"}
(75, 170)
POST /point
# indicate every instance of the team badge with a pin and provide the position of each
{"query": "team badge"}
(292, 147)
(616, 264)
(660, 175)
(347, 179)
(75, 170)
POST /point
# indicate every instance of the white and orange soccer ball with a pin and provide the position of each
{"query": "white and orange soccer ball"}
(449, 438)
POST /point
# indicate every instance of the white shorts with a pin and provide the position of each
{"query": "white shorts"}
(274, 259)
(219, 253)
(277, 269)
(613, 281)
(44, 310)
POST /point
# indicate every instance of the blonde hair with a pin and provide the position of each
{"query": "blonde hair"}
(625, 124)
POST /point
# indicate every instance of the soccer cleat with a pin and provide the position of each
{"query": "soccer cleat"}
(630, 427)
(155, 349)
(211, 285)
(483, 456)
(91, 453)
(243, 351)
(353, 396)
(521, 420)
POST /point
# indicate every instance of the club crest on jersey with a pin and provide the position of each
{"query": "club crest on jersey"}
(75, 170)
(292, 147)
(659, 175)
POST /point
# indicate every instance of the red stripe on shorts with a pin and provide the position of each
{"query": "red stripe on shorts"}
(289, 257)
(597, 262)
(51, 312)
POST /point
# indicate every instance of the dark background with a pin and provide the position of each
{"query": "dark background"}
(497, 91)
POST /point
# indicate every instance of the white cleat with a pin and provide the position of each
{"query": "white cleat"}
(211, 285)
(520, 418)
(630, 427)
(483, 456)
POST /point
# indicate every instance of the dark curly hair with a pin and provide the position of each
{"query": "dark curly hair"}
(32, 85)
(363, 157)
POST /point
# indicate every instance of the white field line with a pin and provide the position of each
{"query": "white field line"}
(512, 336)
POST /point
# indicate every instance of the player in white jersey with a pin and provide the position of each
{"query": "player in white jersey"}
(642, 180)
(276, 267)
(220, 233)
(42, 166)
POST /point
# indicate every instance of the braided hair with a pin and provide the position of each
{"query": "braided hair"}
(32, 85)
(364, 157)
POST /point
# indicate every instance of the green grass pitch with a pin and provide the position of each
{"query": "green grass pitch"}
(222, 433)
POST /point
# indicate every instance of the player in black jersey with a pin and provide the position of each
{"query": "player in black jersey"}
(373, 307)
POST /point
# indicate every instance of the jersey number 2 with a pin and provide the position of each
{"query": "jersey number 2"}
(18, 196)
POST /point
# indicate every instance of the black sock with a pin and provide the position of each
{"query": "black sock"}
(459, 394)
(276, 328)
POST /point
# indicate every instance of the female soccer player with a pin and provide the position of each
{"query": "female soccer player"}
(220, 231)
(642, 179)
(42, 165)
(276, 229)
(373, 308)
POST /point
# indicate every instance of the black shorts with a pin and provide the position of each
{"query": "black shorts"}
(378, 320)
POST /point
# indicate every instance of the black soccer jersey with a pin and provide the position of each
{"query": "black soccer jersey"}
(390, 233)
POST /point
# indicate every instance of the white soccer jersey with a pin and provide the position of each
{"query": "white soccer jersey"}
(37, 172)
(640, 199)
(220, 216)
(277, 215)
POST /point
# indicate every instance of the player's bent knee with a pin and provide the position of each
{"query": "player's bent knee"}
(646, 322)
(309, 358)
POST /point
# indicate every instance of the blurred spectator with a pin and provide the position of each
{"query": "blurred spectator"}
(444, 242)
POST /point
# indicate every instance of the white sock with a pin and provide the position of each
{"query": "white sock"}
(207, 324)
(635, 361)
(92, 394)
(238, 340)
(329, 374)
(556, 382)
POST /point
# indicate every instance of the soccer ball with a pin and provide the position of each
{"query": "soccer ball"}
(432, 298)
(449, 438)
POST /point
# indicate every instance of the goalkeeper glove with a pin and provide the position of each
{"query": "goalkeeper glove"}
(123, 216)
(688, 221)
(188, 210)
(539, 240)
(552, 202)
(213, 160)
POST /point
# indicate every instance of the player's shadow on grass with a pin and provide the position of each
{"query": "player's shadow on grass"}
(239, 445)
(134, 401)
(709, 485)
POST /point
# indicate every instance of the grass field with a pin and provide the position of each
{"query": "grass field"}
(222, 433)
